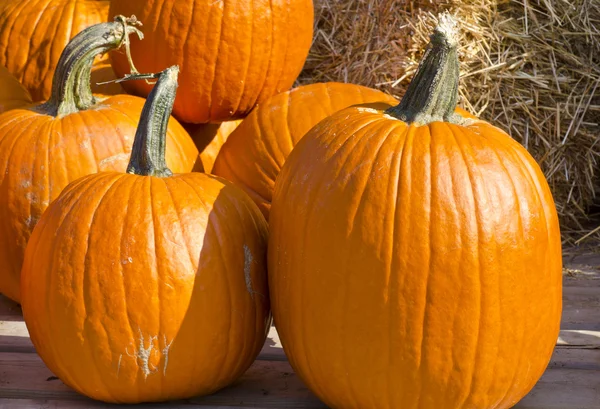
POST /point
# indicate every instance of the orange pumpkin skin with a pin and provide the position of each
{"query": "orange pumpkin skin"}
(233, 54)
(254, 153)
(150, 288)
(209, 139)
(434, 250)
(12, 93)
(33, 34)
(40, 153)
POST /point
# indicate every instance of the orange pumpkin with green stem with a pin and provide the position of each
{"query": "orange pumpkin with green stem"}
(44, 147)
(233, 54)
(152, 286)
(33, 34)
(432, 243)
(256, 150)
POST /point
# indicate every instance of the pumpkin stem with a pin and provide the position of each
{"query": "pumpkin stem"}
(148, 153)
(433, 92)
(71, 88)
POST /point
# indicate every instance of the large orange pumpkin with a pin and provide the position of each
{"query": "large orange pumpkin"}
(148, 286)
(44, 147)
(12, 93)
(254, 153)
(232, 53)
(415, 254)
(209, 139)
(33, 34)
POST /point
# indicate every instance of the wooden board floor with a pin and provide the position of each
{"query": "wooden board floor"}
(572, 380)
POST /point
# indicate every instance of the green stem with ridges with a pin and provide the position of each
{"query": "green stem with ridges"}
(71, 88)
(433, 92)
(148, 153)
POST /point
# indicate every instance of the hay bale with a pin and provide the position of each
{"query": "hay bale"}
(532, 68)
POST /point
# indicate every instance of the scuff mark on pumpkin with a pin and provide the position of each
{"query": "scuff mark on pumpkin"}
(146, 348)
(142, 355)
(165, 353)
(119, 365)
(248, 259)
(112, 159)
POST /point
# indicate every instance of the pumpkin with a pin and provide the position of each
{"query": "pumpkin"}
(44, 147)
(148, 286)
(12, 93)
(209, 139)
(33, 34)
(415, 254)
(232, 53)
(254, 153)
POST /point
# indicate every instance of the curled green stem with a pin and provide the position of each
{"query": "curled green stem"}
(71, 88)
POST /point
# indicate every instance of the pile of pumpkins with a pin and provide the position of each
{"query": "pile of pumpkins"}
(409, 252)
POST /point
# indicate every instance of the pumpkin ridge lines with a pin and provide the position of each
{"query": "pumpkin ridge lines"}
(48, 322)
(472, 179)
(376, 128)
(90, 137)
(533, 185)
(261, 89)
(301, 338)
(22, 138)
(108, 122)
(187, 36)
(48, 60)
(428, 275)
(394, 186)
(86, 296)
(33, 24)
(12, 22)
(251, 36)
(160, 273)
(75, 196)
(365, 152)
(281, 77)
(181, 225)
(134, 186)
(216, 65)
(501, 162)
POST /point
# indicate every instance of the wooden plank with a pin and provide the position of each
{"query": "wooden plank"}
(573, 374)
(271, 384)
(85, 404)
(564, 389)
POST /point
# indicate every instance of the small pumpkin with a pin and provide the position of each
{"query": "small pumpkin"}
(254, 153)
(33, 34)
(209, 139)
(233, 54)
(415, 254)
(12, 93)
(148, 286)
(46, 146)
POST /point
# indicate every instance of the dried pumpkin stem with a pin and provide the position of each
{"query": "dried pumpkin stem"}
(148, 153)
(71, 88)
(433, 92)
